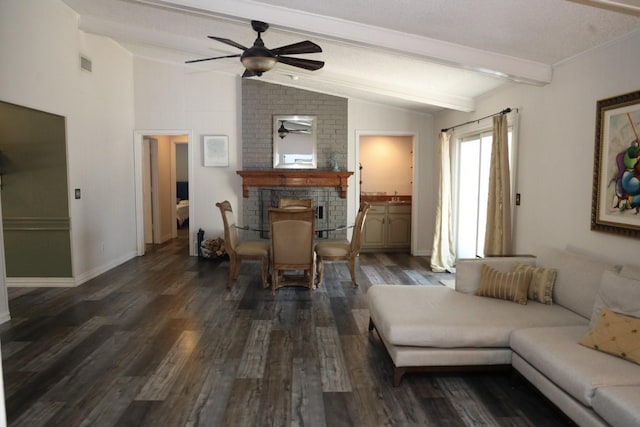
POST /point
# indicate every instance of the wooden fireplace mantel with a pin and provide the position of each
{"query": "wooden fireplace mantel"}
(294, 178)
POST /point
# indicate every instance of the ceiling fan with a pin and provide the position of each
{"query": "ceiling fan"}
(257, 59)
(298, 126)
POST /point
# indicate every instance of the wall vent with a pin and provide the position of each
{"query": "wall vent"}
(85, 63)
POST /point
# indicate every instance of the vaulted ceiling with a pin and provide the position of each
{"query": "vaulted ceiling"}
(425, 55)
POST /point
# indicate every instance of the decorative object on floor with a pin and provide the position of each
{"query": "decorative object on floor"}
(615, 201)
(239, 250)
(343, 250)
(257, 59)
(292, 234)
(216, 150)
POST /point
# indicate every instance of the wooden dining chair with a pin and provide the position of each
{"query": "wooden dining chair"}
(295, 203)
(242, 250)
(343, 250)
(292, 234)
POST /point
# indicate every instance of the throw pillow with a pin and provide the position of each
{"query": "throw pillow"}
(542, 281)
(616, 334)
(617, 293)
(510, 286)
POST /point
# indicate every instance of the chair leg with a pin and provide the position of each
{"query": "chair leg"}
(232, 267)
(274, 281)
(263, 266)
(312, 277)
(320, 271)
(352, 271)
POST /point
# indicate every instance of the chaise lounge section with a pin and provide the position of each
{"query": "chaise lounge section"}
(435, 328)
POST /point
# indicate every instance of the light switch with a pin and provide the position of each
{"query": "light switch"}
(77, 193)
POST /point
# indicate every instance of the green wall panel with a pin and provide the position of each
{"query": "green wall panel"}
(35, 205)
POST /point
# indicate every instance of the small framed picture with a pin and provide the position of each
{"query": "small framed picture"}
(216, 150)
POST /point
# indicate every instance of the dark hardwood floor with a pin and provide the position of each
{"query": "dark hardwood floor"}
(160, 341)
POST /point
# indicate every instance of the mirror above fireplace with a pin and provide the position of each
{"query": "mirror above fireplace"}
(294, 142)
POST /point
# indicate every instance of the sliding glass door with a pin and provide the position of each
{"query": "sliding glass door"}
(472, 187)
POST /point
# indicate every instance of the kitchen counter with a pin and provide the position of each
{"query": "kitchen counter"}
(386, 199)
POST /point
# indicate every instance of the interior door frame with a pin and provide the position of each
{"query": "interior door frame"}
(150, 185)
(174, 216)
(138, 136)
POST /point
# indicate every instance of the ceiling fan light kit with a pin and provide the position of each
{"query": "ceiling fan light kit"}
(258, 64)
(258, 59)
(282, 131)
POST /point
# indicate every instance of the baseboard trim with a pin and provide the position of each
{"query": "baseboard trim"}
(422, 252)
(85, 277)
(41, 282)
(66, 282)
(5, 317)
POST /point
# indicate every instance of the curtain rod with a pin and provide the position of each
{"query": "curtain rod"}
(505, 111)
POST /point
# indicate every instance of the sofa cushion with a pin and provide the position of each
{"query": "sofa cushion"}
(578, 278)
(437, 316)
(509, 286)
(619, 406)
(542, 281)
(618, 293)
(576, 369)
(630, 271)
(468, 271)
(615, 334)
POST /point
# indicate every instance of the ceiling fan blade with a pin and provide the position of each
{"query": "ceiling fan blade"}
(209, 59)
(307, 64)
(229, 42)
(300, 47)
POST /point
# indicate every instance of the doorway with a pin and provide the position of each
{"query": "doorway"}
(384, 165)
(163, 174)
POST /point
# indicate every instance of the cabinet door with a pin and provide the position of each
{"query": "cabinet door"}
(399, 230)
(373, 234)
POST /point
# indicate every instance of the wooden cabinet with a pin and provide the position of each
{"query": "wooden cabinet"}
(387, 228)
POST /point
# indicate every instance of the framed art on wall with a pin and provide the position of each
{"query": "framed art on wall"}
(615, 205)
(216, 150)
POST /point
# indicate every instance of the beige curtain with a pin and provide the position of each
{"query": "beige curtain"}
(443, 253)
(498, 233)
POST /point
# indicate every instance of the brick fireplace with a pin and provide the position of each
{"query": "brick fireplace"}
(260, 102)
(327, 189)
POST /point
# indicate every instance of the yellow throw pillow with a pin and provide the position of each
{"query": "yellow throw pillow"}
(542, 281)
(510, 286)
(616, 334)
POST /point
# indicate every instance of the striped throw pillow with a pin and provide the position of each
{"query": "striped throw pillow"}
(542, 281)
(510, 286)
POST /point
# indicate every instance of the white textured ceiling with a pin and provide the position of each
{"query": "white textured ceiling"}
(420, 54)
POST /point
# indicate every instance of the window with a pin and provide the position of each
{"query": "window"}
(473, 157)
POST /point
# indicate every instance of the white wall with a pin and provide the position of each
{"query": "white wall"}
(369, 118)
(556, 144)
(207, 103)
(387, 164)
(39, 68)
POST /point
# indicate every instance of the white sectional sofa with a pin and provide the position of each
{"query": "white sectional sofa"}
(431, 328)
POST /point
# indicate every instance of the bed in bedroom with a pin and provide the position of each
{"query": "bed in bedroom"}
(182, 205)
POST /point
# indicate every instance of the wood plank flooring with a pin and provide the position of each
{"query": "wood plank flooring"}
(160, 341)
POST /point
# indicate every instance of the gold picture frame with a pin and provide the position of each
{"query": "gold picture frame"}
(615, 204)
